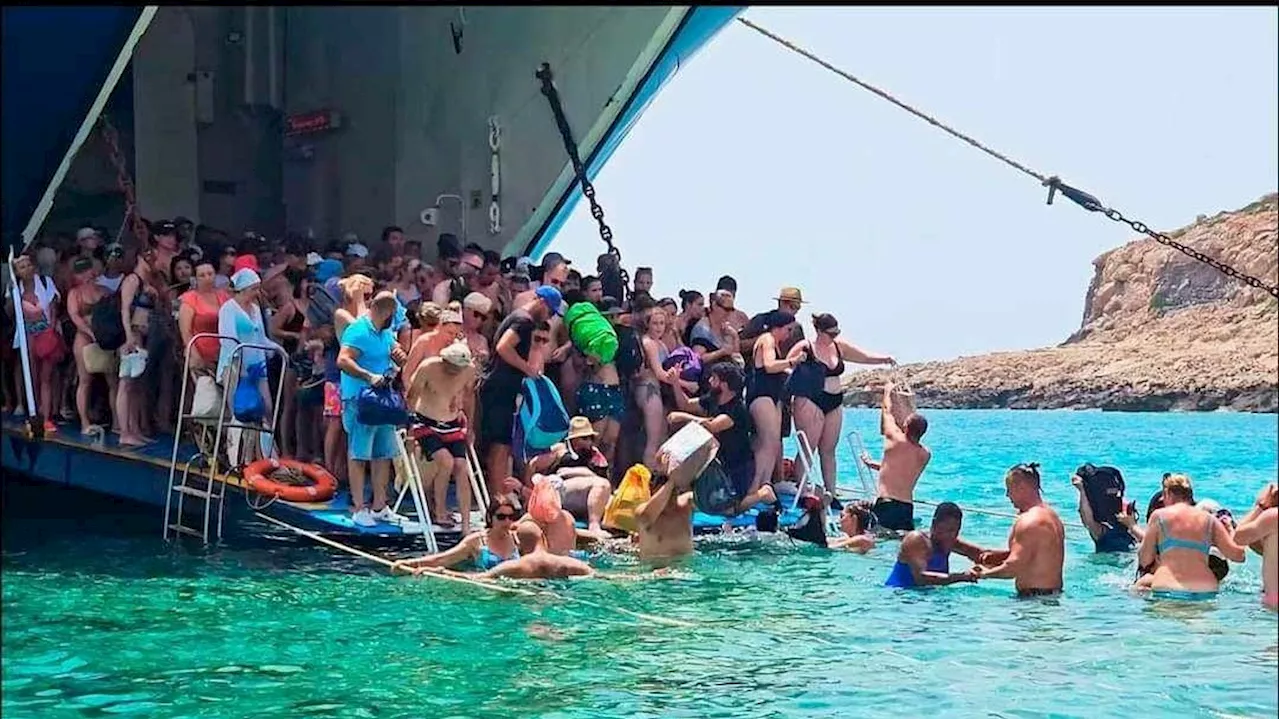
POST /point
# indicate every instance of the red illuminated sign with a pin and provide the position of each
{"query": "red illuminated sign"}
(310, 123)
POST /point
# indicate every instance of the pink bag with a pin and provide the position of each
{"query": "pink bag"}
(544, 501)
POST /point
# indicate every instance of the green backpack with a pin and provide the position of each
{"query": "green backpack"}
(591, 332)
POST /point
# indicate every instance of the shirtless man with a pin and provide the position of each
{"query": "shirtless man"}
(1260, 529)
(900, 469)
(665, 522)
(1034, 557)
(436, 394)
(560, 535)
(536, 561)
(429, 344)
(581, 471)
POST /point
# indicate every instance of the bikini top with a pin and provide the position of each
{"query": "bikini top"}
(489, 559)
(1167, 542)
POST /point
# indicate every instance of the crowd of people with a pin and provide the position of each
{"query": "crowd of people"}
(109, 326)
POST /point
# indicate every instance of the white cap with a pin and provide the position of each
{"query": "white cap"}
(450, 317)
(85, 233)
(244, 279)
(457, 354)
(355, 249)
(314, 258)
(478, 302)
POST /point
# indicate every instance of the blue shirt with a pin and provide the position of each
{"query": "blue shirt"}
(375, 353)
(401, 318)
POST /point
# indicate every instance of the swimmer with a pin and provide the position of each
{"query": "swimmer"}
(536, 561)
(665, 522)
(1259, 529)
(855, 521)
(1181, 537)
(924, 559)
(1036, 542)
(486, 549)
(900, 468)
(560, 532)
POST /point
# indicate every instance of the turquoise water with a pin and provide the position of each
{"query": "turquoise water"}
(100, 618)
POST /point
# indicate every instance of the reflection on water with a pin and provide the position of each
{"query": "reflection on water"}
(100, 617)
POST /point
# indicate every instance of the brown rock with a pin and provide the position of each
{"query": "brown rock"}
(1160, 332)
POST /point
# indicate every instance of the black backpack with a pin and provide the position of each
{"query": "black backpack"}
(630, 357)
(1104, 490)
(106, 323)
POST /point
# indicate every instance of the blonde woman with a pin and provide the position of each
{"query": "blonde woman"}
(1178, 539)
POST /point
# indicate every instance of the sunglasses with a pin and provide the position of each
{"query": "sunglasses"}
(505, 517)
(542, 340)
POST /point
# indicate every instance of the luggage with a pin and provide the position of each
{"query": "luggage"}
(591, 332)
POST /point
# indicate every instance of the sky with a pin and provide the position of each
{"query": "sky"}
(758, 163)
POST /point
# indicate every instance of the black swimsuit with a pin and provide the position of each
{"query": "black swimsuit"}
(761, 383)
(826, 401)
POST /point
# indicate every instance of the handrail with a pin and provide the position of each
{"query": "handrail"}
(857, 448)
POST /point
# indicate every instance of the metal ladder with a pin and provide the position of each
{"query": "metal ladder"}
(199, 476)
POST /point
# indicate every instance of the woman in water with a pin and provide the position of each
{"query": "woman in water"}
(1180, 537)
(818, 389)
(766, 387)
(484, 549)
(855, 522)
(85, 294)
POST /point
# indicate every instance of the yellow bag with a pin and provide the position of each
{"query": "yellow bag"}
(631, 493)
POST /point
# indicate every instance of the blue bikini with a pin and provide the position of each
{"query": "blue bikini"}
(1166, 543)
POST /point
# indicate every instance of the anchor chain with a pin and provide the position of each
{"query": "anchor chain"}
(1083, 199)
(566, 135)
(132, 219)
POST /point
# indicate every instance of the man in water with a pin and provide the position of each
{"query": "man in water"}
(900, 469)
(1105, 486)
(1034, 557)
(536, 561)
(665, 522)
(1260, 529)
(437, 392)
(924, 558)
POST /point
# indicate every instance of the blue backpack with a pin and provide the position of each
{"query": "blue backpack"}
(541, 420)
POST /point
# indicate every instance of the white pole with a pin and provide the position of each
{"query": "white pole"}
(22, 337)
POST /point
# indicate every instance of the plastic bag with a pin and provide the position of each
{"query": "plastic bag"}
(246, 404)
(207, 397)
(544, 500)
(632, 492)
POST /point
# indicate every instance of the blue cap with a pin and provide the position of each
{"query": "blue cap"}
(326, 270)
(552, 298)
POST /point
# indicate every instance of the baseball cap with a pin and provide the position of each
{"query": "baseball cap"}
(244, 279)
(552, 298)
(114, 250)
(355, 249)
(448, 245)
(326, 270)
(457, 354)
(313, 259)
(450, 317)
(478, 302)
(727, 283)
(246, 262)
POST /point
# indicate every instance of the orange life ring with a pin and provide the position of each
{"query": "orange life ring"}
(323, 489)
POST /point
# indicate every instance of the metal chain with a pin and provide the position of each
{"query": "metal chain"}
(1085, 200)
(566, 135)
(131, 217)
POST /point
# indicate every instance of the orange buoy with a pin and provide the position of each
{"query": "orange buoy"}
(322, 489)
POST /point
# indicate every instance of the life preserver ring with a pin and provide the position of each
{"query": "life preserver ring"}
(322, 489)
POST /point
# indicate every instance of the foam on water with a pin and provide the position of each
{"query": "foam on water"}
(100, 618)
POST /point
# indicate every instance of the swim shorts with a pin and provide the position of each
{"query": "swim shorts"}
(893, 514)
(434, 435)
(1114, 539)
(497, 399)
(332, 400)
(367, 442)
(600, 401)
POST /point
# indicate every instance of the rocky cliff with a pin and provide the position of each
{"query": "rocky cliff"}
(1160, 331)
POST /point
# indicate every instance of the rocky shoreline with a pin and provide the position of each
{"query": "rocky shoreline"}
(1161, 332)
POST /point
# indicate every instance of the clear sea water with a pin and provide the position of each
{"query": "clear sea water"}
(101, 618)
